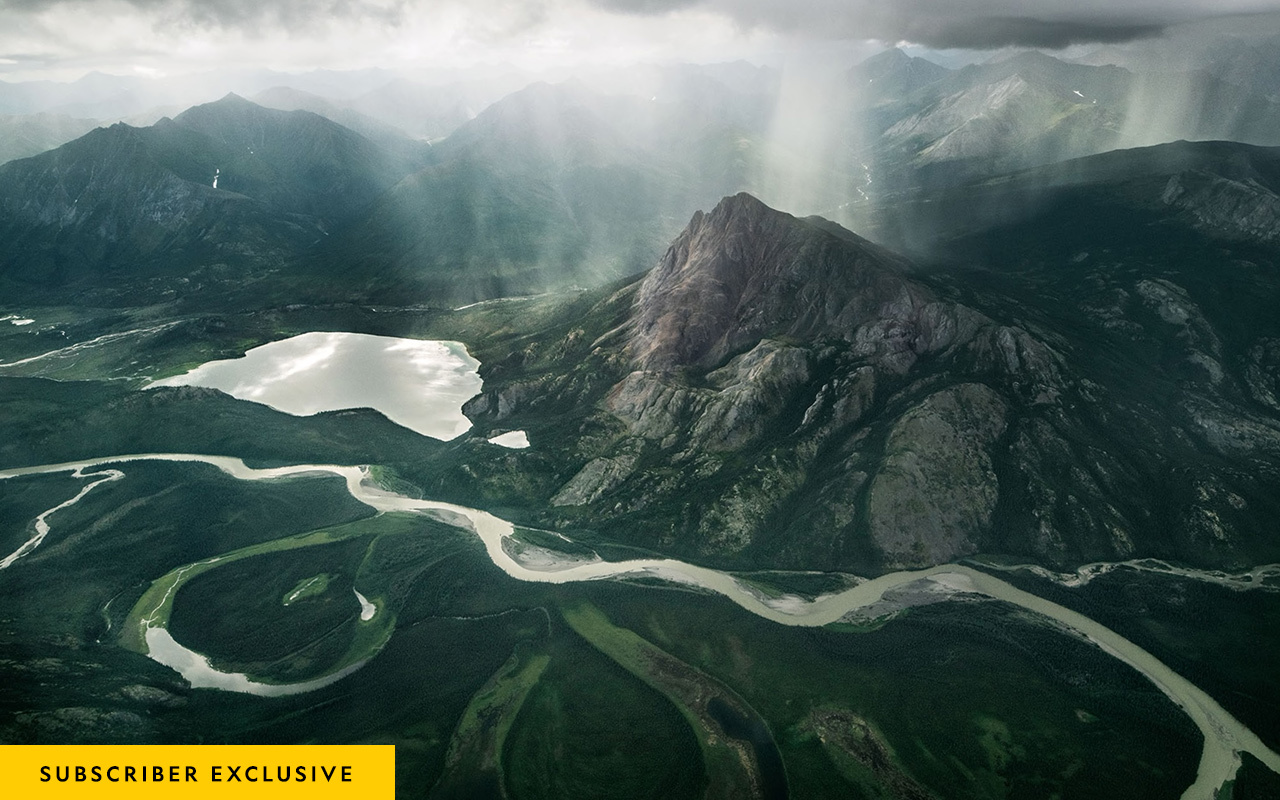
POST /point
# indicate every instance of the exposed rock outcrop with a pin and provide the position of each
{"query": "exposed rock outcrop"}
(744, 272)
(936, 490)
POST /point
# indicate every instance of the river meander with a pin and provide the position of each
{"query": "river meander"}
(1225, 738)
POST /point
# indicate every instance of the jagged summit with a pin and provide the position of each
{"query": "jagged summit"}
(744, 271)
(758, 357)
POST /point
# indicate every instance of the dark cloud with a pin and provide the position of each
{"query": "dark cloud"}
(245, 15)
(644, 6)
(972, 24)
(985, 34)
(106, 34)
(975, 24)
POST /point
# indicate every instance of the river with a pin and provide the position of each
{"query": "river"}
(1225, 737)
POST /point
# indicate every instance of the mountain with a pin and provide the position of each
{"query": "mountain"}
(932, 128)
(745, 272)
(778, 392)
(297, 161)
(115, 98)
(1217, 190)
(1160, 267)
(770, 384)
(92, 94)
(989, 118)
(553, 187)
(224, 186)
(27, 135)
(398, 107)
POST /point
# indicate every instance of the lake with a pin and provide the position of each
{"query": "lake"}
(420, 384)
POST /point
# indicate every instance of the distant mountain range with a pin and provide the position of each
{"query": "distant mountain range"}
(553, 185)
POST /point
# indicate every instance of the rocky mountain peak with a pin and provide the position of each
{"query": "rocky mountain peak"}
(745, 271)
(737, 214)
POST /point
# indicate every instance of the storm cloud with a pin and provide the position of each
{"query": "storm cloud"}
(234, 14)
(974, 24)
(158, 36)
(969, 24)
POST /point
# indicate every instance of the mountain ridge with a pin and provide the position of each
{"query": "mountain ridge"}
(224, 186)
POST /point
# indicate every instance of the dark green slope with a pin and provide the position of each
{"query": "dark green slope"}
(296, 161)
(110, 208)
(1159, 269)
(131, 215)
(1221, 190)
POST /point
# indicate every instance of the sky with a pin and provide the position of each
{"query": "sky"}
(63, 39)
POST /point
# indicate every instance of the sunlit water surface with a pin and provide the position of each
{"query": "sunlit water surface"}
(418, 384)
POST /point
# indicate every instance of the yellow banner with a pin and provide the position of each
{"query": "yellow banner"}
(177, 772)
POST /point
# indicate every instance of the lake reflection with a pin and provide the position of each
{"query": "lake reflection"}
(418, 384)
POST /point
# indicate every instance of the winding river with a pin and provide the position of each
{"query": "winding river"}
(1225, 738)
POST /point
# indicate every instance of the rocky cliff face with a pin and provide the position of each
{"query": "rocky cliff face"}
(936, 491)
(745, 271)
(1243, 207)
